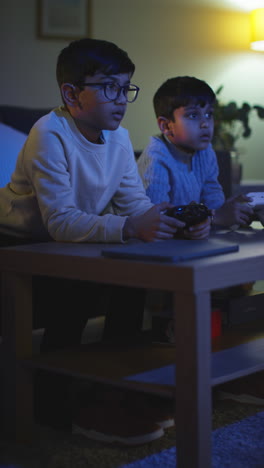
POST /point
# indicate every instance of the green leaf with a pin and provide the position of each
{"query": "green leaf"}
(260, 111)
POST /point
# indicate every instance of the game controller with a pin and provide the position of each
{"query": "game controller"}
(257, 199)
(191, 214)
(257, 204)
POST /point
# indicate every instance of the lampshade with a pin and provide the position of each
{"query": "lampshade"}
(257, 29)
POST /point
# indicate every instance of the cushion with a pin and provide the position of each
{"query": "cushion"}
(11, 142)
(21, 118)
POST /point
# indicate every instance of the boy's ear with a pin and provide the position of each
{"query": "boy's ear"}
(163, 124)
(69, 94)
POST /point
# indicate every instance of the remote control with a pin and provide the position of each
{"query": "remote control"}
(257, 204)
(257, 199)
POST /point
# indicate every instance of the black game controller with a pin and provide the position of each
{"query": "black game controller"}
(191, 214)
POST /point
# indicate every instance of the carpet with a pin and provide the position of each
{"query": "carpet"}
(57, 449)
(239, 445)
(238, 439)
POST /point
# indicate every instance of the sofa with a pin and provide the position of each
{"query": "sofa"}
(15, 124)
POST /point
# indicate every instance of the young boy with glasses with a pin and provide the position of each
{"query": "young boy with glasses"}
(76, 180)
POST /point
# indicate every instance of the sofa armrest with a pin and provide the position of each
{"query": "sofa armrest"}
(21, 118)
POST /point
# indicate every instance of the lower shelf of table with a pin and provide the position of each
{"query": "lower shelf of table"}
(151, 367)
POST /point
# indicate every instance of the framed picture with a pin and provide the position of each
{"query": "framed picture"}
(64, 19)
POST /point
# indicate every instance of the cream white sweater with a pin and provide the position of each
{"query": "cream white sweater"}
(68, 189)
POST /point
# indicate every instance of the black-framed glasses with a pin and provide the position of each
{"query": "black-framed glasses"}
(112, 91)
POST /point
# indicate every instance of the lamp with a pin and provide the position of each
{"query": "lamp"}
(257, 29)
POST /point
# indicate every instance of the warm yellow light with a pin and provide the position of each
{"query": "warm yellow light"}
(257, 29)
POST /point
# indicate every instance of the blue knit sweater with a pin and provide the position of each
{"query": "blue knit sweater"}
(170, 175)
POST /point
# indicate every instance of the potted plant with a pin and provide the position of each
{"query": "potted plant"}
(232, 122)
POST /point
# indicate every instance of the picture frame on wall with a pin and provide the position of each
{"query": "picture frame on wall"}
(64, 19)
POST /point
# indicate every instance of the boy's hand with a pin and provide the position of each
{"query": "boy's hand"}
(152, 225)
(234, 211)
(199, 231)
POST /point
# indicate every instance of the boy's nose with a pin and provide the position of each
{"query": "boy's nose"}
(204, 123)
(121, 98)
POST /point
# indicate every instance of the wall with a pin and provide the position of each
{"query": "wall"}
(162, 38)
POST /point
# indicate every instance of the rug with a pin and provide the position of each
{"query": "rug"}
(57, 449)
(239, 445)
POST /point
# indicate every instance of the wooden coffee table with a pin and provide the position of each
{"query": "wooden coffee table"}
(190, 282)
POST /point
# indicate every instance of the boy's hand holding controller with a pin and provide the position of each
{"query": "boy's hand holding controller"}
(152, 225)
(235, 211)
(197, 218)
(199, 231)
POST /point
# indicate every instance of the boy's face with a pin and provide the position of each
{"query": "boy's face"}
(92, 111)
(192, 127)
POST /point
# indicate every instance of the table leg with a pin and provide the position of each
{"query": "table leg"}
(17, 402)
(193, 380)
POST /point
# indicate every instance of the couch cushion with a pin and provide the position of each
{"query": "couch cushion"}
(21, 118)
(11, 142)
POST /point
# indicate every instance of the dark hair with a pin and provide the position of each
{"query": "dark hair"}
(89, 56)
(179, 92)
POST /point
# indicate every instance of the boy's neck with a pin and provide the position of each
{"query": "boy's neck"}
(90, 135)
(184, 153)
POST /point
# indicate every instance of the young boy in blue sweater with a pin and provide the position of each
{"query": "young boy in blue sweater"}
(180, 165)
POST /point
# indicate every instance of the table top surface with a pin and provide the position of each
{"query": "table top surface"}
(85, 262)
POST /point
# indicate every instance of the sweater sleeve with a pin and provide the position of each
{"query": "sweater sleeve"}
(155, 175)
(131, 198)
